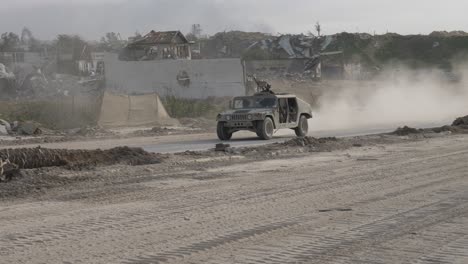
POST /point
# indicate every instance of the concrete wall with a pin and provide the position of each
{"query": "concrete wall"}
(182, 78)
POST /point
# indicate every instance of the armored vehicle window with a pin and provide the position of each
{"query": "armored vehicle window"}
(253, 102)
(240, 103)
(266, 102)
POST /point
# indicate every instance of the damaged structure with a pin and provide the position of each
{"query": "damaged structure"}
(301, 55)
(7, 80)
(158, 46)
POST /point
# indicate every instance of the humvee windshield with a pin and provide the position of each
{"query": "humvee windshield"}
(254, 102)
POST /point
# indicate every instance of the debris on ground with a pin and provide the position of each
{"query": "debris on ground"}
(335, 209)
(31, 158)
(156, 131)
(307, 141)
(5, 127)
(199, 123)
(89, 131)
(7, 170)
(3, 130)
(222, 147)
(29, 128)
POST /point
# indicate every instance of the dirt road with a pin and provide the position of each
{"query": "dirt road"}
(399, 203)
(194, 142)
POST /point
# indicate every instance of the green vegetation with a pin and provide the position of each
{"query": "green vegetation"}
(417, 51)
(423, 51)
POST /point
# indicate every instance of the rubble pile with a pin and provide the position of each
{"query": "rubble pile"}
(307, 144)
(460, 125)
(198, 123)
(292, 46)
(7, 82)
(461, 121)
(12, 160)
(5, 127)
(231, 44)
(156, 131)
(20, 128)
(89, 131)
(27, 82)
(308, 141)
(406, 130)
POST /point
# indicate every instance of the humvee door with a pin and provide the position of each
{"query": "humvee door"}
(288, 112)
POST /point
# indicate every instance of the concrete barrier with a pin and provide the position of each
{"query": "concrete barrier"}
(198, 79)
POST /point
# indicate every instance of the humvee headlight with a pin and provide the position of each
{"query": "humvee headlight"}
(249, 117)
(228, 117)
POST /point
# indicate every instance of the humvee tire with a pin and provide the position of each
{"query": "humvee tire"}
(222, 132)
(265, 128)
(303, 127)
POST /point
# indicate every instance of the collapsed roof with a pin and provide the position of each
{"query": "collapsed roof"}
(161, 37)
(293, 46)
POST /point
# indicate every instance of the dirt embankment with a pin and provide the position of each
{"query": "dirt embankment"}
(45, 169)
(97, 133)
(12, 160)
(460, 125)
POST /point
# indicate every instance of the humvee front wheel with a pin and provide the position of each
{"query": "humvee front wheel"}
(303, 127)
(265, 128)
(223, 132)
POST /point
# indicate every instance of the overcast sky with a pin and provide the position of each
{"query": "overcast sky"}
(92, 18)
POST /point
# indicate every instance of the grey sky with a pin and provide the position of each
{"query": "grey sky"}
(92, 18)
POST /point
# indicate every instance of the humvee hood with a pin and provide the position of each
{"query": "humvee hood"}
(247, 111)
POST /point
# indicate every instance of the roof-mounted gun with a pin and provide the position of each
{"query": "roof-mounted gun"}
(262, 86)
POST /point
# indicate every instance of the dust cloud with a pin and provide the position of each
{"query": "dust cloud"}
(420, 98)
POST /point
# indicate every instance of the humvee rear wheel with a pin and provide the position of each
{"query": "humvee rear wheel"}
(223, 132)
(265, 128)
(303, 127)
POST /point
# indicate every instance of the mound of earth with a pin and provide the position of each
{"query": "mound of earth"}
(406, 130)
(461, 121)
(308, 141)
(29, 158)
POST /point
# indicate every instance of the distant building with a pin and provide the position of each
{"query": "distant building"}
(158, 46)
(97, 62)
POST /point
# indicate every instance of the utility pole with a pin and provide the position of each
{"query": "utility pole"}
(318, 27)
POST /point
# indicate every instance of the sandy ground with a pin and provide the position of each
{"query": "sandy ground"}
(384, 203)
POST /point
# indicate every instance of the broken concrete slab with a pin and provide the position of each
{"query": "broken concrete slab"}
(3, 130)
(6, 124)
(29, 128)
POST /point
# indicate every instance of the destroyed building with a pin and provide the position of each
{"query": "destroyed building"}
(297, 56)
(230, 44)
(158, 46)
(286, 47)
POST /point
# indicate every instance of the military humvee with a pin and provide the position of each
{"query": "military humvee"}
(263, 113)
